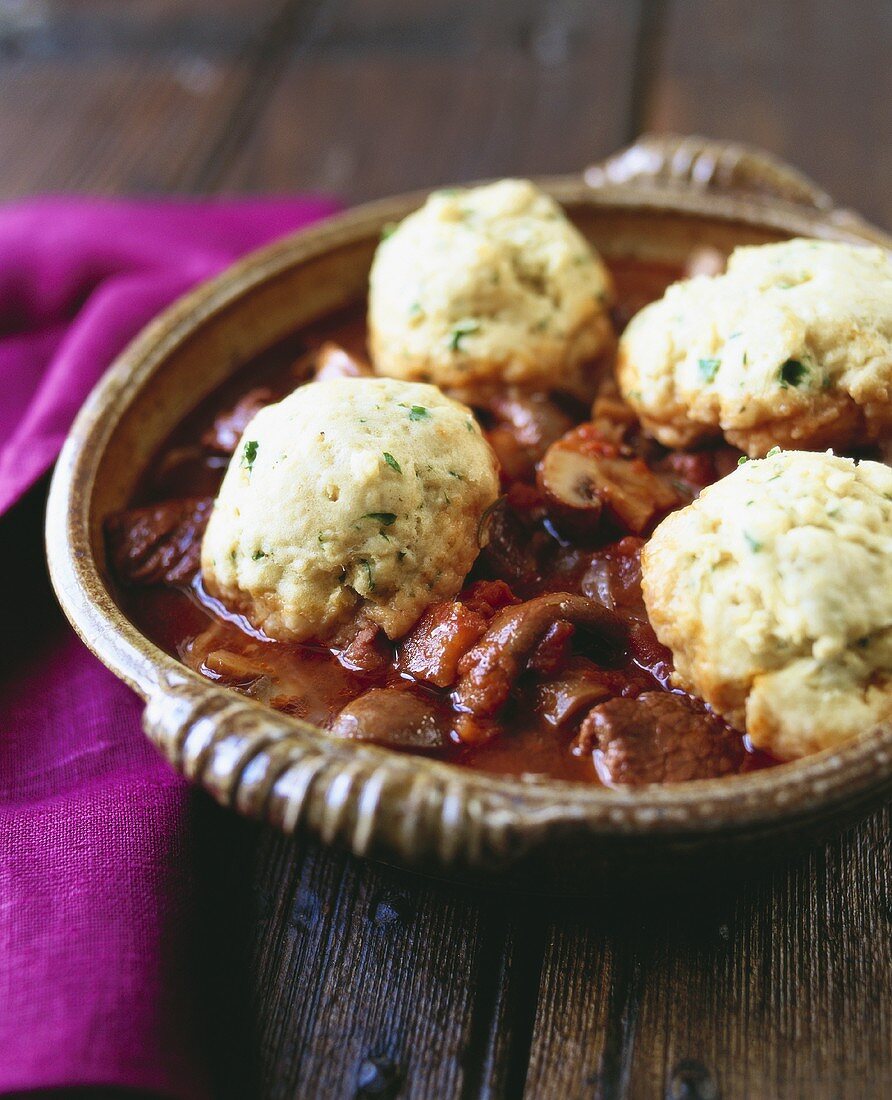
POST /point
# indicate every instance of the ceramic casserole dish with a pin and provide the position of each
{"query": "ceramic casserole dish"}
(656, 201)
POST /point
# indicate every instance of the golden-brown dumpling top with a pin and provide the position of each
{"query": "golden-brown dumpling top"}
(791, 346)
(774, 592)
(488, 286)
(350, 500)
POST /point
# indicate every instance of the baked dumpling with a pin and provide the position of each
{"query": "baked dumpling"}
(792, 346)
(350, 500)
(490, 286)
(774, 592)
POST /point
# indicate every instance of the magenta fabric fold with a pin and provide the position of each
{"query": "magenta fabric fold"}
(95, 883)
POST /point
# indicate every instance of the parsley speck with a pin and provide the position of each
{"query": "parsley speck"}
(461, 330)
(709, 368)
(249, 454)
(418, 412)
(792, 373)
(387, 518)
(392, 462)
(257, 555)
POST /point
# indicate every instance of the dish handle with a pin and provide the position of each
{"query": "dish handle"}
(375, 802)
(691, 163)
(706, 166)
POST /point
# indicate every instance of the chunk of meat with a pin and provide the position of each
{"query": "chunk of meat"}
(444, 633)
(705, 260)
(367, 650)
(690, 471)
(447, 630)
(488, 672)
(585, 470)
(487, 597)
(392, 716)
(509, 550)
(526, 425)
(159, 544)
(228, 428)
(333, 361)
(658, 738)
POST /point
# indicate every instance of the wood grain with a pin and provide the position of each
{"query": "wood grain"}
(148, 100)
(778, 987)
(344, 979)
(384, 101)
(809, 80)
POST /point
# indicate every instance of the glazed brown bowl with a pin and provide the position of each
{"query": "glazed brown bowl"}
(657, 200)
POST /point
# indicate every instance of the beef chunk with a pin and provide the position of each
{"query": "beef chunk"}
(509, 551)
(392, 716)
(227, 429)
(447, 630)
(367, 650)
(433, 648)
(658, 738)
(159, 544)
(333, 361)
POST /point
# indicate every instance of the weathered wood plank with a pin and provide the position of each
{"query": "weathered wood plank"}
(387, 101)
(809, 80)
(371, 980)
(778, 987)
(151, 100)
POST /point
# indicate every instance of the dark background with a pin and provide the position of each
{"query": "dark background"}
(326, 977)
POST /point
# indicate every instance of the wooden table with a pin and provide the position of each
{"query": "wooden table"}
(345, 979)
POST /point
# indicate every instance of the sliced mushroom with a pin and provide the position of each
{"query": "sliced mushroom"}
(567, 479)
(392, 716)
(613, 418)
(489, 670)
(580, 686)
(579, 484)
(235, 667)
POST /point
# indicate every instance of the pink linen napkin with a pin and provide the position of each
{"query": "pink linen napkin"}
(95, 889)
